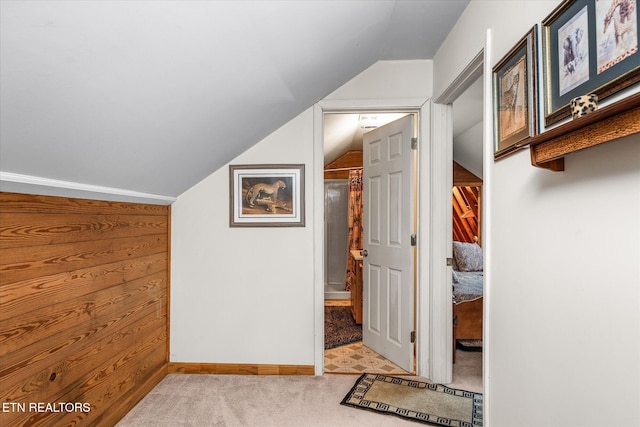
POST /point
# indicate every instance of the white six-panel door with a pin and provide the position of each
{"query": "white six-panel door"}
(388, 273)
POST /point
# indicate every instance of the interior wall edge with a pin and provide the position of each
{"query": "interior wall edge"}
(28, 184)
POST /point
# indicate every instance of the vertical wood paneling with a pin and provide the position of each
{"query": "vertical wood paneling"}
(83, 308)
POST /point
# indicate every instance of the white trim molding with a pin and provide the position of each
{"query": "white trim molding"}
(28, 184)
(438, 219)
(441, 367)
(422, 106)
(318, 238)
(342, 105)
(487, 219)
(467, 76)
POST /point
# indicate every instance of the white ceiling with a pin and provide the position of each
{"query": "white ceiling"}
(467, 108)
(345, 131)
(154, 96)
(467, 128)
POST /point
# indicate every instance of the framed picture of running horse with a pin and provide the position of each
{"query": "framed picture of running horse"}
(590, 47)
(266, 195)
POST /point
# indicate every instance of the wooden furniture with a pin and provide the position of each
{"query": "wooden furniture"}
(468, 286)
(355, 271)
(614, 121)
(467, 215)
(467, 322)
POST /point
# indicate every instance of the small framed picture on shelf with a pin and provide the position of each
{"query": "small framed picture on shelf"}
(514, 96)
(589, 47)
(266, 195)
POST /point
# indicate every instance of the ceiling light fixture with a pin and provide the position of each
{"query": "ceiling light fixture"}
(368, 122)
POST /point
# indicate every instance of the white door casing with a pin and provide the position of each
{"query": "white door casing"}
(388, 267)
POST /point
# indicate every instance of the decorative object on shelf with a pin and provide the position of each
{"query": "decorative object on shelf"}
(608, 123)
(266, 195)
(583, 105)
(589, 46)
(514, 96)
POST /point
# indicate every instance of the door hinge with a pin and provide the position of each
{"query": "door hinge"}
(413, 336)
(414, 143)
(449, 262)
(414, 239)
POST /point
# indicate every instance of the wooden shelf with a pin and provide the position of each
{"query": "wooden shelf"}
(614, 121)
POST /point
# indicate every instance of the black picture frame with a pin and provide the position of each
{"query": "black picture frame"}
(587, 50)
(266, 195)
(515, 96)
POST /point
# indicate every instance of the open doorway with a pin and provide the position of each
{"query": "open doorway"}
(467, 279)
(343, 166)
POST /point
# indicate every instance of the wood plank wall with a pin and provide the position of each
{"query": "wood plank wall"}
(350, 159)
(83, 308)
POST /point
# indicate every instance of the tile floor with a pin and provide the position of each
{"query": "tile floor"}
(357, 359)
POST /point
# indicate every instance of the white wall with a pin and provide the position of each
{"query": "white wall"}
(246, 295)
(389, 80)
(467, 149)
(243, 295)
(564, 277)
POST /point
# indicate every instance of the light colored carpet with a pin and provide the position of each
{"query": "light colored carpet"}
(265, 401)
(282, 401)
(467, 371)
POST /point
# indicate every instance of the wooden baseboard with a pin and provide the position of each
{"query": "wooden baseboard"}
(239, 369)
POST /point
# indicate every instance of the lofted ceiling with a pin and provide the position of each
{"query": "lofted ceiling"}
(345, 131)
(153, 96)
(467, 117)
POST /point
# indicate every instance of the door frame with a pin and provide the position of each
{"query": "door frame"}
(476, 65)
(421, 106)
(433, 308)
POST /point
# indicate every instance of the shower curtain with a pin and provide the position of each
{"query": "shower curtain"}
(355, 219)
(336, 232)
